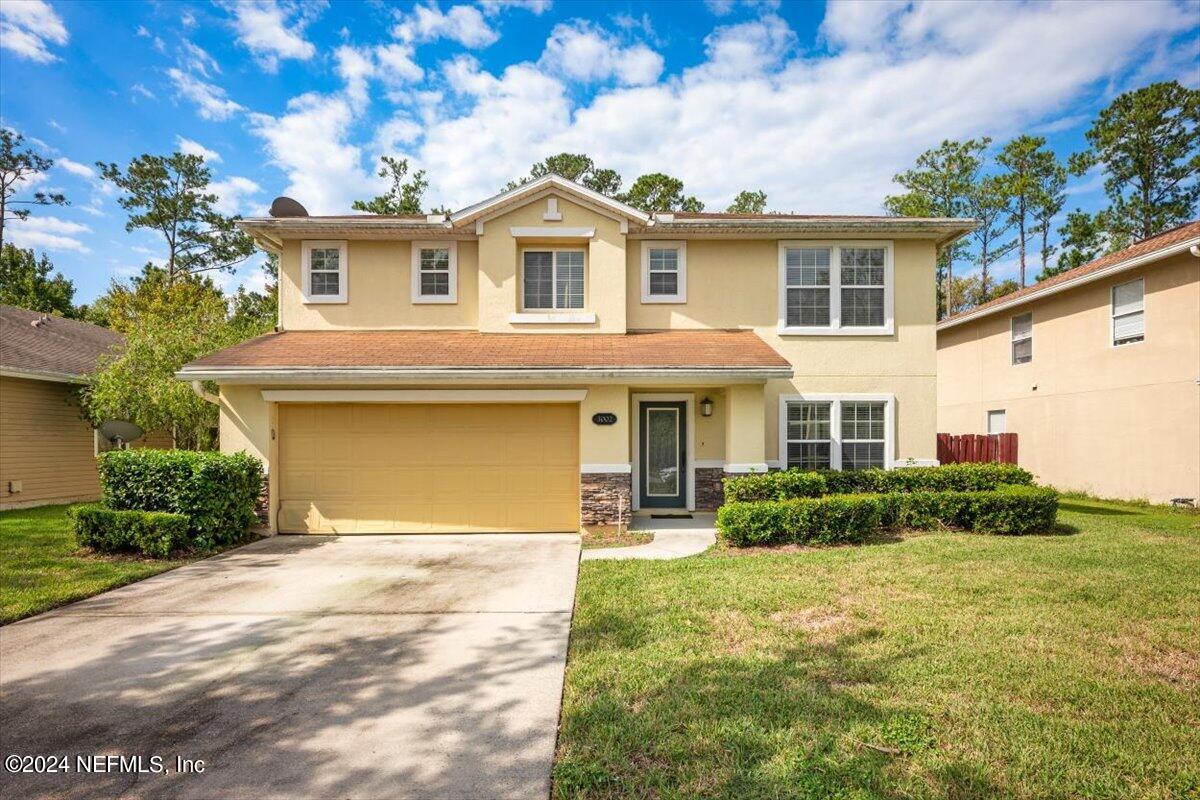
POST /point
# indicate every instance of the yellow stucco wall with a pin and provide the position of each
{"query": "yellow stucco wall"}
(1114, 421)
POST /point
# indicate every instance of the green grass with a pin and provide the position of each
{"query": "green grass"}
(938, 665)
(41, 567)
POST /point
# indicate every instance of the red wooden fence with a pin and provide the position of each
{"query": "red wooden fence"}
(974, 448)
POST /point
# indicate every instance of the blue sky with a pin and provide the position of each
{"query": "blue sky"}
(817, 104)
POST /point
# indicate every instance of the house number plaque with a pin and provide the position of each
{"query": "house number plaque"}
(604, 418)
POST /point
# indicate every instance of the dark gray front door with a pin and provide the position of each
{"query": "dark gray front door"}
(663, 465)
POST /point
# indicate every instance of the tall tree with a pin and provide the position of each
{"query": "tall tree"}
(403, 197)
(25, 282)
(577, 167)
(990, 204)
(255, 313)
(1082, 239)
(1048, 201)
(1148, 144)
(939, 186)
(1028, 164)
(658, 191)
(748, 202)
(18, 165)
(169, 194)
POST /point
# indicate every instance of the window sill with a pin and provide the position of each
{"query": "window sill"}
(434, 300)
(664, 299)
(886, 330)
(552, 318)
(325, 300)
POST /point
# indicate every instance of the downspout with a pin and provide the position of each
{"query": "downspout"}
(204, 394)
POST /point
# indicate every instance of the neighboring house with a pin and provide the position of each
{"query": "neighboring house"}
(550, 357)
(47, 450)
(1097, 370)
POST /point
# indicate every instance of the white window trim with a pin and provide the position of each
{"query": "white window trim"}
(417, 297)
(987, 420)
(835, 294)
(1012, 340)
(835, 422)
(680, 295)
(306, 248)
(1112, 311)
(554, 313)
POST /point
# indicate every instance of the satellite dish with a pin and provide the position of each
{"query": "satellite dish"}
(120, 432)
(287, 207)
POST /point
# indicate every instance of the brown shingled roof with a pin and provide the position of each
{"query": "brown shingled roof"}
(58, 347)
(1162, 241)
(454, 349)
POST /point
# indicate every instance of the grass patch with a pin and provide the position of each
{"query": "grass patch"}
(941, 665)
(41, 566)
(598, 536)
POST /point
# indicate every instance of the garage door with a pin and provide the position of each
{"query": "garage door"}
(374, 468)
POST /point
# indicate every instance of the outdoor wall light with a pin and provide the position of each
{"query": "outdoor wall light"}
(706, 407)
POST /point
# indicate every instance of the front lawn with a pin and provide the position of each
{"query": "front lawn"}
(41, 567)
(939, 665)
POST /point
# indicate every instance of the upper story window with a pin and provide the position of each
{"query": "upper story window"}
(324, 279)
(835, 431)
(435, 272)
(552, 279)
(844, 288)
(1022, 338)
(664, 272)
(1128, 312)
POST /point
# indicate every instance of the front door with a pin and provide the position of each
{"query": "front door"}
(663, 482)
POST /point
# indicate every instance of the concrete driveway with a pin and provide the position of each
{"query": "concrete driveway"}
(306, 667)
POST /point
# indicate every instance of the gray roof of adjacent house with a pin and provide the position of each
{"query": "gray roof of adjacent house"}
(37, 345)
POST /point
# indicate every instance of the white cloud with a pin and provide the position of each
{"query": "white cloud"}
(57, 126)
(232, 194)
(47, 233)
(535, 7)
(723, 8)
(274, 30)
(195, 58)
(585, 52)
(75, 168)
(139, 89)
(397, 65)
(462, 24)
(818, 133)
(209, 98)
(194, 148)
(355, 66)
(27, 27)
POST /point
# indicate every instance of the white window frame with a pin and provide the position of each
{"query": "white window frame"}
(1112, 307)
(417, 297)
(306, 248)
(835, 327)
(987, 420)
(680, 295)
(554, 309)
(1012, 340)
(835, 423)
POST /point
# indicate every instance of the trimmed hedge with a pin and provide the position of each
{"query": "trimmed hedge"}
(153, 533)
(214, 491)
(848, 518)
(950, 477)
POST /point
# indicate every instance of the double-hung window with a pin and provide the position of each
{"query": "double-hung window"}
(836, 288)
(836, 431)
(664, 272)
(324, 272)
(552, 279)
(1021, 328)
(1128, 312)
(435, 272)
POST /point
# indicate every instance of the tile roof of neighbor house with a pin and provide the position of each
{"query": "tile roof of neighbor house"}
(1167, 239)
(39, 344)
(699, 349)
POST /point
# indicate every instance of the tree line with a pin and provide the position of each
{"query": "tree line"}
(1146, 144)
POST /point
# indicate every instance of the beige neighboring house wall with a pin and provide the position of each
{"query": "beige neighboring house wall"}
(1113, 421)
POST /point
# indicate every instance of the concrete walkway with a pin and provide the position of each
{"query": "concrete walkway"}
(673, 538)
(305, 667)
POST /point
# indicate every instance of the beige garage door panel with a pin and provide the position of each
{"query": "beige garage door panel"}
(348, 468)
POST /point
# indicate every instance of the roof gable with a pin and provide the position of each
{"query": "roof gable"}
(539, 187)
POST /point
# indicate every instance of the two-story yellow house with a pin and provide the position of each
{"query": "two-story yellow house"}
(550, 357)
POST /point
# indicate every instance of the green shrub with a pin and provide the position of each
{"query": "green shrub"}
(153, 533)
(826, 520)
(216, 492)
(783, 485)
(837, 518)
